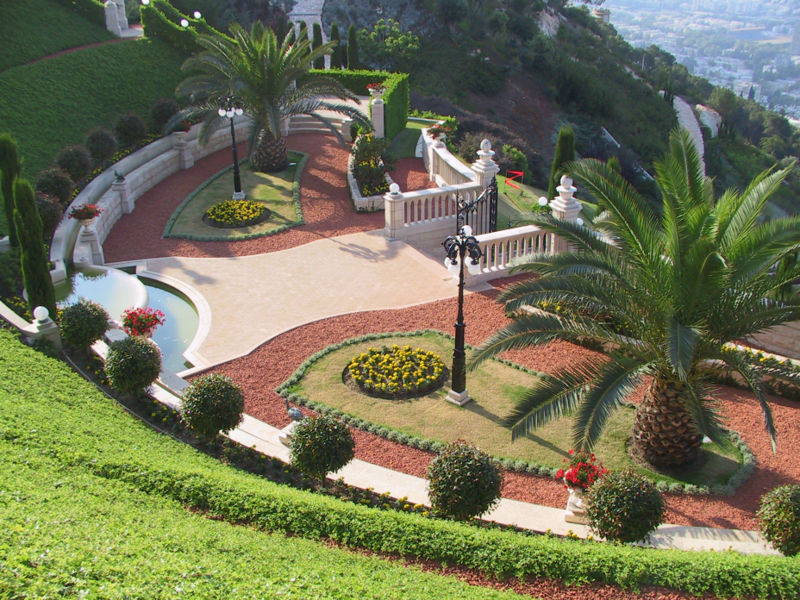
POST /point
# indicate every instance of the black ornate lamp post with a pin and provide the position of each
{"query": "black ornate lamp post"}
(231, 107)
(458, 247)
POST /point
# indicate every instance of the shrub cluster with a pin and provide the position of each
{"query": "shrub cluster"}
(370, 164)
(464, 481)
(396, 371)
(132, 364)
(212, 403)
(51, 212)
(84, 323)
(162, 111)
(779, 516)
(55, 182)
(320, 445)
(130, 130)
(101, 144)
(624, 506)
(236, 213)
(75, 161)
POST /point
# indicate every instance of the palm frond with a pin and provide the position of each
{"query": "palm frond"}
(682, 343)
(704, 411)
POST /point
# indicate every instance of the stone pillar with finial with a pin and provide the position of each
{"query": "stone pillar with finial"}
(378, 117)
(566, 208)
(485, 168)
(43, 327)
(393, 211)
(121, 187)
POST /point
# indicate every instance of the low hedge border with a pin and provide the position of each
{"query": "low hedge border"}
(242, 499)
(298, 209)
(521, 466)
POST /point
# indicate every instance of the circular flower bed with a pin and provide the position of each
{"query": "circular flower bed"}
(395, 372)
(236, 213)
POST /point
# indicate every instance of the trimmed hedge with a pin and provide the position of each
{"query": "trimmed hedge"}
(161, 20)
(395, 96)
(93, 10)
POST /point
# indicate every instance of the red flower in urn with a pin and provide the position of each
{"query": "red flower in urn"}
(583, 470)
(142, 321)
(84, 212)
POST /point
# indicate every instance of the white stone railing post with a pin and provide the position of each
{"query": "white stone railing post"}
(485, 168)
(116, 19)
(566, 208)
(43, 326)
(121, 187)
(393, 209)
(183, 149)
(347, 126)
(378, 118)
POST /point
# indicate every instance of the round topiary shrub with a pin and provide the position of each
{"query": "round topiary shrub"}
(162, 111)
(212, 403)
(236, 213)
(57, 183)
(101, 144)
(130, 130)
(132, 364)
(779, 517)
(320, 445)
(624, 506)
(464, 481)
(51, 213)
(84, 323)
(75, 161)
(395, 372)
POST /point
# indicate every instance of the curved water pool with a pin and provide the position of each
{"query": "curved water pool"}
(116, 290)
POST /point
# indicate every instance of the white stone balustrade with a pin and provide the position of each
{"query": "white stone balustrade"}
(442, 166)
(500, 249)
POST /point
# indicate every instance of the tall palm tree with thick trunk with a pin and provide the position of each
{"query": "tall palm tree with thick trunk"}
(269, 79)
(663, 294)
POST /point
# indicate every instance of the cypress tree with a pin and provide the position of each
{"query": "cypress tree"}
(316, 42)
(10, 167)
(565, 152)
(352, 48)
(32, 258)
(337, 57)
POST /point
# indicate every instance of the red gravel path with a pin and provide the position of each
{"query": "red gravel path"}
(410, 175)
(328, 213)
(324, 197)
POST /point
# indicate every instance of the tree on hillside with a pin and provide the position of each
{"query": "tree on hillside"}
(271, 81)
(32, 258)
(388, 47)
(727, 104)
(352, 48)
(565, 153)
(319, 62)
(662, 293)
(337, 56)
(10, 167)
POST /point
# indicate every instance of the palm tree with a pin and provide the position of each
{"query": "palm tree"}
(663, 294)
(269, 79)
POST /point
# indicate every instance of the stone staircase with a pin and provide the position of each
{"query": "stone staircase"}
(307, 124)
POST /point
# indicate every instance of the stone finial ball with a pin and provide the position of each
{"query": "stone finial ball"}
(394, 188)
(486, 145)
(566, 182)
(40, 313)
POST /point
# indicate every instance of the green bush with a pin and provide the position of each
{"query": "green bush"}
(132, 364)
(624, 506)
(464, 481)
(74, 160)
(161, 113)
(50, 212)
(55, 182)
(212, 403)
(320, 445)
(130, 130)
(101, 144)
(779, 517)
(82, 324)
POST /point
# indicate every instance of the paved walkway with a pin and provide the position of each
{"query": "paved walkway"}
(255, 298)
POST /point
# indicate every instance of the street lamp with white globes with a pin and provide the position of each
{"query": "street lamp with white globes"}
(230, 107)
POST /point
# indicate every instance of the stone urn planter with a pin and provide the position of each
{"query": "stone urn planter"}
(576, 507)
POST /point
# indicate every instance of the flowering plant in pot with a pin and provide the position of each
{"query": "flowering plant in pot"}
(582, 472)
(440, 130)
(376, 89)
(142, 321)
(85, 212)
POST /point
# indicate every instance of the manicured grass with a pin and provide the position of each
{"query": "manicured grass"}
(55, 102)
(278, 191)
(36, 28)
(496, 388)
(70, 528)
(404, 143)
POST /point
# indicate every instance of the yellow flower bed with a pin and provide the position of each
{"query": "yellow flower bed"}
(235, 213)
(396, 371)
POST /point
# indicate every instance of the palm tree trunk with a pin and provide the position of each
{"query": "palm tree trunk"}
(269, 153)
(664, 432)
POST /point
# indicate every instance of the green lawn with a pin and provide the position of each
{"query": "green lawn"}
(278, 191)
(72, 529)
(36, 28)
(404, 143)
(496, 388)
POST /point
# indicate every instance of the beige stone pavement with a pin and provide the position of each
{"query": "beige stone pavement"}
(255, 298)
